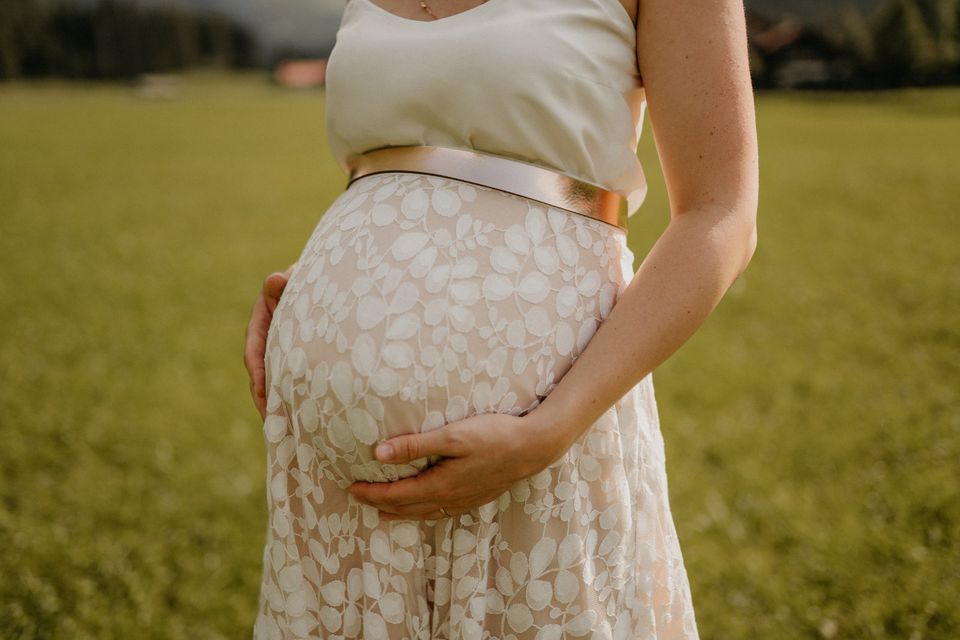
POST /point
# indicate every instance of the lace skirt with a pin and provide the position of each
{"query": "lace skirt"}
(418, 301)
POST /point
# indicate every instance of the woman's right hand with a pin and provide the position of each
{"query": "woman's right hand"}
(256, 339)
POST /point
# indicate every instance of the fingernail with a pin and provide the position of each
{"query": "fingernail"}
(385, 451)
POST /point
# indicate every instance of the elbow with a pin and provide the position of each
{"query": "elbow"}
(749, 245)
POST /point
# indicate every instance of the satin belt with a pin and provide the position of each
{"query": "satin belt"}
(505, 174)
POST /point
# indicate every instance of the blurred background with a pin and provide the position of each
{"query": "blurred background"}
(158, 159)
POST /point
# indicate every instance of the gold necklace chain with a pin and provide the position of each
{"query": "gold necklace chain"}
(423, 5)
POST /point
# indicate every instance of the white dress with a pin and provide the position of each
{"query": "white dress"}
(420, 300)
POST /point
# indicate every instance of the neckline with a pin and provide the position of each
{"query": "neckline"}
(398, 18)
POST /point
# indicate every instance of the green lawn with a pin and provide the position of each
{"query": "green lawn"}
(812, 425)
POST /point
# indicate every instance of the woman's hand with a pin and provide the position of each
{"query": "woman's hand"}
(256, 338)
(482, 457)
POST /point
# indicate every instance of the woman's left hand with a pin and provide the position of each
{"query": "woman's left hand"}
(482, 457)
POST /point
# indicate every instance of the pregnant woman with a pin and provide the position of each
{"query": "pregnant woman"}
(455, 375)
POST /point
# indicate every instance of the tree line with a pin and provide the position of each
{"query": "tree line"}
(904, 42)
(114, 40)
(901, 42)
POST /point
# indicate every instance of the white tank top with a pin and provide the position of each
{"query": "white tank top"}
(550, 82)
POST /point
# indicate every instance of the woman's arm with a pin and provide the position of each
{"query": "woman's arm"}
(693, 60)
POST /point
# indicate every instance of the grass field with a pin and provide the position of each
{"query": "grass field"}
(812, 425)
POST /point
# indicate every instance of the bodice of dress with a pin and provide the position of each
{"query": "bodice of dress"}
(550, 82)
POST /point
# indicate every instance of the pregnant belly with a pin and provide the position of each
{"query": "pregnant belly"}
(420, 300)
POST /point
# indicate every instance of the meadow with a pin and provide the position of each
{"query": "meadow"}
(812, 425)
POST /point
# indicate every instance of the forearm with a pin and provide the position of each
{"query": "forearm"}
(677, 286)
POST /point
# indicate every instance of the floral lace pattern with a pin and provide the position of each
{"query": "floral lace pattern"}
(418, 301)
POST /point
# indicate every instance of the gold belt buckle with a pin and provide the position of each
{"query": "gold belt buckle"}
(499, 172)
